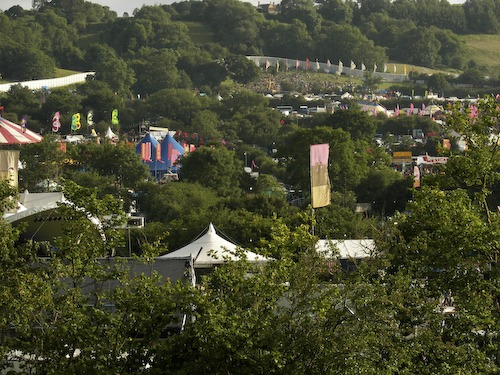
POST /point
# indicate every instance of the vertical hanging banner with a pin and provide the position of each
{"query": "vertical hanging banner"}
(158, 154)
(114, 117)
(9, 160)
(416, 177)
(56, 122)
(320, 183)
(90, 118)
(146, 151)
(75, 122)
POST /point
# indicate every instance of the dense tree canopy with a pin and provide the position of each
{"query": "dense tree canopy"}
(214, 167)
(63, 34)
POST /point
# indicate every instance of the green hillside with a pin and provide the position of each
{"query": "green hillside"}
(485, 50)
(65, 72)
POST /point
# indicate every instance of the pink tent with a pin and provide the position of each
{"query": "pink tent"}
(11, 133)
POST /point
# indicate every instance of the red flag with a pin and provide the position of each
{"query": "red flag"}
(173, 154)
(473, 111)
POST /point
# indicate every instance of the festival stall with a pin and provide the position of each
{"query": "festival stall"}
(150, 151)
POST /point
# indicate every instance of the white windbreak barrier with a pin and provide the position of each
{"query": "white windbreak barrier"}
(49, 83)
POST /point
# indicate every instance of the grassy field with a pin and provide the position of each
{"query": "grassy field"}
(65, 72)
(484, 50)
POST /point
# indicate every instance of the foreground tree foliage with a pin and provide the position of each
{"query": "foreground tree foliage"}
(56, 311)
(299, 313)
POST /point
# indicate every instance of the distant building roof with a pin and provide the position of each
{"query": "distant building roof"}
(271, 8)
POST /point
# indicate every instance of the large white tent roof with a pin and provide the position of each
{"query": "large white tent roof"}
(11, 133)
(38, 213)
(211, 249)
(346, 249)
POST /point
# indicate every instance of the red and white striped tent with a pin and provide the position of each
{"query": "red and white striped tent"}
(11, 133)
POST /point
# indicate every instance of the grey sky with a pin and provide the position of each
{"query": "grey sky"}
(121, 6)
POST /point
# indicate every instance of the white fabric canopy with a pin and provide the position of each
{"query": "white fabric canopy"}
(211, 249)
(110, 135)
(346, 249)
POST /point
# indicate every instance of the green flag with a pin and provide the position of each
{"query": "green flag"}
(114, 117)
(75, 122)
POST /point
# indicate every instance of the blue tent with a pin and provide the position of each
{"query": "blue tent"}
(171, 151)
(150, 152)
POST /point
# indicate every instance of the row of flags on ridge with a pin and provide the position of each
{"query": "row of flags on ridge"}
(340, 69)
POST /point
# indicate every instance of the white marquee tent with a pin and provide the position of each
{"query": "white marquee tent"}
(110, 135)
(211, 249)
(346, 249)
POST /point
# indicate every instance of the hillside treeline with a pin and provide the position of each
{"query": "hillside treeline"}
(125, 51)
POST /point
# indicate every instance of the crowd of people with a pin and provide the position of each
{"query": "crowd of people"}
(300, 81)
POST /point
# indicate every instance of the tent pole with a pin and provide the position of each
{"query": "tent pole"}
(312, 220)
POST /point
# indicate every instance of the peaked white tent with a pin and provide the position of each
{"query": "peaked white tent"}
(211, 249)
